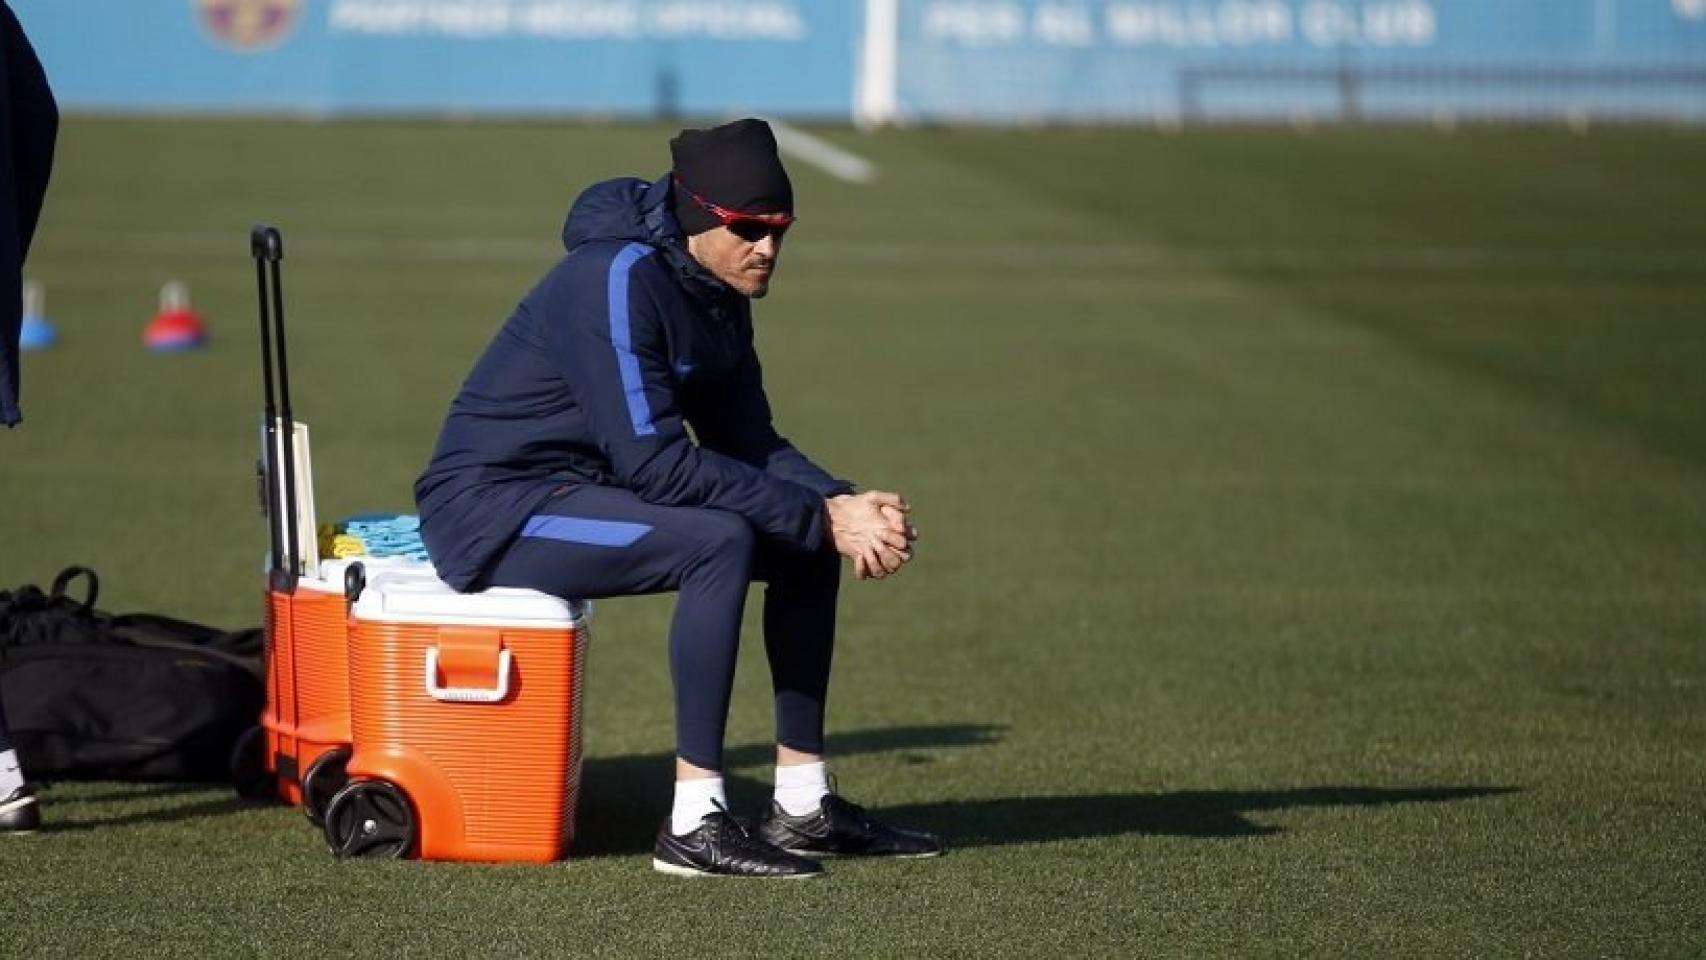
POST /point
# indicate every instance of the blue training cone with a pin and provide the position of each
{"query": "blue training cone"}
(176, 328)
(36, 333)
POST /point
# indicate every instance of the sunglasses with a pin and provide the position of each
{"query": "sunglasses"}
(750, 227)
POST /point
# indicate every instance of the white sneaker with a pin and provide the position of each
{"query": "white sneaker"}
(19, 811)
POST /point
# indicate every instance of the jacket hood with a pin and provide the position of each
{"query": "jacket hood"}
(626, 209)
(629, 209)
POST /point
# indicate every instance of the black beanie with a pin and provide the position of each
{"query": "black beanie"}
(734, 166)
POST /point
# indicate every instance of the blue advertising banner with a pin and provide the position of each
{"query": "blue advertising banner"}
(1129, 59)
(879, 60)
(616, 57)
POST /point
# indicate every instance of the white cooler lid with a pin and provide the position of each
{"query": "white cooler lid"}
(402, 596)
(330, 578)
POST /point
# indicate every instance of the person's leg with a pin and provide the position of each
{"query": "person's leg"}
(595, 542)
(799, 639)
(805, 816)
(18, 808)
(10, 778)
(11, 246)
(29, 123)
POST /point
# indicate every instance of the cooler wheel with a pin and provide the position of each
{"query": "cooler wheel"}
(325, 777)
(370, 818)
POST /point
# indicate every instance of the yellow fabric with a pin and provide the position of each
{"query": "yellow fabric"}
(340, 545)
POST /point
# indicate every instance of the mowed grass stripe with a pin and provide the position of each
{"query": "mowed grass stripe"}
(454, 247)
(1288, 585)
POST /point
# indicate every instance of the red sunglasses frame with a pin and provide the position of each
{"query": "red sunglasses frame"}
(777, 222)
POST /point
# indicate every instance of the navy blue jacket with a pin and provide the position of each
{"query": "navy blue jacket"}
(29, 122)
(596, 377)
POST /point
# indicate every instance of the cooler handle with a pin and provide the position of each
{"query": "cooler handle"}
(467, 694)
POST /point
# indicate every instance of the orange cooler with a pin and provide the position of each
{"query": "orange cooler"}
(307, 711)
(307, 716)
(465, 711)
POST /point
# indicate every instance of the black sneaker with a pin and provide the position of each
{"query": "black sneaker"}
(19, 812)
(723, 847)
(839, 827)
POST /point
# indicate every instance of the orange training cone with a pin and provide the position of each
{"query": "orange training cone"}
(176, 328)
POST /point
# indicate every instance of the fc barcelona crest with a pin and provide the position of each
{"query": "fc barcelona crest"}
(248, 24)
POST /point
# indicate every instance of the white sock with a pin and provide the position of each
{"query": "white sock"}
(801, 787)
(11, 778)
(694, 801)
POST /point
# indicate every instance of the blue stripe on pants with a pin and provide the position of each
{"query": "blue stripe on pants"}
(598, 533)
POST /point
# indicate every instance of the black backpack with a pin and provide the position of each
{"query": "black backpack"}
(90, 695)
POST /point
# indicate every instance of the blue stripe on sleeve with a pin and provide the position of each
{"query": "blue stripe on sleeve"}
(639, 413)
(599, 533)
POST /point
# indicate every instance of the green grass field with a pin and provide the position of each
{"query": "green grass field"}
(1313, 559)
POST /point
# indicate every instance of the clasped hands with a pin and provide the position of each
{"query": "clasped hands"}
(873, 529)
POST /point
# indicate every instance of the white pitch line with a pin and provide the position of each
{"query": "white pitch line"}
(822, 154)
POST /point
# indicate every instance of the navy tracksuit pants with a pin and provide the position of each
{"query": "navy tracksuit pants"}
(29, 124)
(590, 542)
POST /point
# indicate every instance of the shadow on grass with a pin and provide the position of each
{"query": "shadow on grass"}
(107, 791)
(61, 815)
(624, 798)
(883, 740)
(1188, 813)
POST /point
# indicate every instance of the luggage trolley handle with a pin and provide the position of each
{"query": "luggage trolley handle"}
(451, 694)
(266, 245)
(265, 242)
